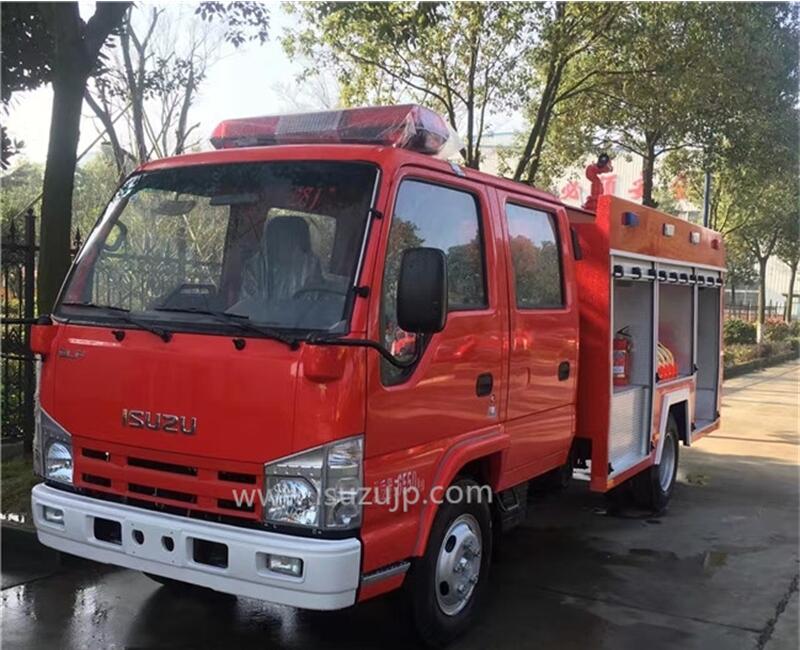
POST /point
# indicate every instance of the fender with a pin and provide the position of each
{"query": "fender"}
(669, 400)
(453, 460)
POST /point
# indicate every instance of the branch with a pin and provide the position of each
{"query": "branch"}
(394, 75)
(107, 16)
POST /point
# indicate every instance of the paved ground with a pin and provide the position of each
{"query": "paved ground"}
(719, 570)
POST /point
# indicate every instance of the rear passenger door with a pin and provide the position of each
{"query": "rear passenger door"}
(543, 333)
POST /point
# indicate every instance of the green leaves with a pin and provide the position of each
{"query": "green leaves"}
(461, 59)
(243, 21)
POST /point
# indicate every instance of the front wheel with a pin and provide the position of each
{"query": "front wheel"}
(447, 584)
(652, 489)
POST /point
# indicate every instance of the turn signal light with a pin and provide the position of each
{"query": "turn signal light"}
(41, 338)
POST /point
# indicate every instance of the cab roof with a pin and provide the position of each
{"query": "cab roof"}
(388, 158)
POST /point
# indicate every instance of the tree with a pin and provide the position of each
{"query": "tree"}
(19, 185)
(770, 208)
(75, 55)
(152, 78)
(741, 267)
(27, 52)
(96, 181)
(709, 69)
(460, 58)
(788, 251)
(76, 50)
(568, 61)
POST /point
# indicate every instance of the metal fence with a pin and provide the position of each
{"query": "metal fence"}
(18, 257)
(749, 312)
(17, 305)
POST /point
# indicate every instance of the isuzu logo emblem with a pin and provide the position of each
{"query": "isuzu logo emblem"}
(168, 422)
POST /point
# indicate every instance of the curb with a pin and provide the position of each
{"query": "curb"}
(14, 530)
(758, 364)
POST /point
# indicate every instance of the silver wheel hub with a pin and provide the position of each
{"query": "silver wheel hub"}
(458, 565)
(666, 468)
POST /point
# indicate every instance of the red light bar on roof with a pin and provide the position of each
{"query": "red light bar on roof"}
(408, 126)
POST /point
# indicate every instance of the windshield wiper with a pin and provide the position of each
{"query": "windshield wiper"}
(123, 314)
(237, 320)
(336, 339)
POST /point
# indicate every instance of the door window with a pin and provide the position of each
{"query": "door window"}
(535, 254)
(438, 217)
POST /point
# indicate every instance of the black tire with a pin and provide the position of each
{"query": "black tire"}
(560, 477)
(652, 489)
(434, 625)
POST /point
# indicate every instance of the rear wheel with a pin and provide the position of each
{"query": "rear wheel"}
(652, 489)
(448, 583)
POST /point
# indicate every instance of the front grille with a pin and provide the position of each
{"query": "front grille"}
(171, 468)
(168, 482)
(97, 480)
(161, 493)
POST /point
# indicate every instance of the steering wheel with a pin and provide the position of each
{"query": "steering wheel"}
(319, 289)
(114, 246)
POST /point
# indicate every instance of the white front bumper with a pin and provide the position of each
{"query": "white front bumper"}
(330, 567)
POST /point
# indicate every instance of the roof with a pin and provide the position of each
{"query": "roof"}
(388, 157)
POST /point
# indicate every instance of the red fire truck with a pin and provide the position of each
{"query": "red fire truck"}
(321, 363)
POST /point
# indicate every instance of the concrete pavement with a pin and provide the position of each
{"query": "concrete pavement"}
(718, 570)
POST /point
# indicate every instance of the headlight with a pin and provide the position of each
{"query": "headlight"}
(318, 488)
(52, 449)
(58, 462)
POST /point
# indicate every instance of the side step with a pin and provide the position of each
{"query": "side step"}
(512, 506)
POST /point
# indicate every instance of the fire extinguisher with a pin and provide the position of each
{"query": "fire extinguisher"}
(623, 348)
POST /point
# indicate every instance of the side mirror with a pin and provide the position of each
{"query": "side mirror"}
(422, 291)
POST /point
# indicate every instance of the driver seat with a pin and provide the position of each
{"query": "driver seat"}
(291, 265)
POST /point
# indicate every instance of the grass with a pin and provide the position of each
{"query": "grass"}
(17, 479)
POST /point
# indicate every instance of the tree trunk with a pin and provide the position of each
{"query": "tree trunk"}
(536, 159)
(790, 292)
(648, 171)
(529, 160)
(70, 73)
(77, 45)
(762, 298)
(62, 157)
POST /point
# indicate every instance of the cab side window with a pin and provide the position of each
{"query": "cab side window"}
(536, 256)
(438, 217)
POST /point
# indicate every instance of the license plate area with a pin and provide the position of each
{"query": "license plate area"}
(158, 543)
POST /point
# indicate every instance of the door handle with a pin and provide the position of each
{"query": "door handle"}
(483, 386)
(563, 371)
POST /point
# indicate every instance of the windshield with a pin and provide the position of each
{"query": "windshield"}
(276, 243)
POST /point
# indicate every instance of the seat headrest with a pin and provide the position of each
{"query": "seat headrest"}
(288, 234)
